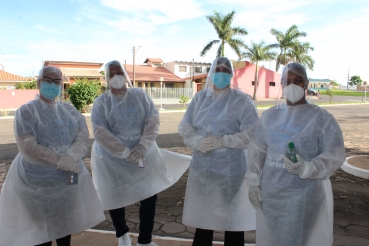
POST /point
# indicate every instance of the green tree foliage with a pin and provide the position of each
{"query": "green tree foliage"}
(334, 83)
(83, 92)
(222, 25)
(288, 42)
(257, 52)
(330, 94)
(299, 53)
(29, 85)
(184, 100)
(355, 80)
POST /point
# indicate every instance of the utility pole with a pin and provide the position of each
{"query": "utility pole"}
(134, 61)
(348, 78)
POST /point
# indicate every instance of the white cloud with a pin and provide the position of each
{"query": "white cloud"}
(49, 30)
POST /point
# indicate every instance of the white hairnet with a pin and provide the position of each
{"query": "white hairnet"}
(296, 68)
(107, 73)
(218, 62)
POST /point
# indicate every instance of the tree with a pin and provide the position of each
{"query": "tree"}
(299, 53)
(83, 93)
(355, 80)
(334, 83)
(286, 41)
(184, 100)
(258, 52)
(330, 94)
(222, 25)
(29, 85)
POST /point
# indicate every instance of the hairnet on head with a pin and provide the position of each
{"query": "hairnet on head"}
(107, 73)
(296, 68)
(50, 70)
(218, 62)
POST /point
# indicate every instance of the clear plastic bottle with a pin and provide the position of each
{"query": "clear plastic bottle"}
(72, 178)
(208, 133)
(291, 152)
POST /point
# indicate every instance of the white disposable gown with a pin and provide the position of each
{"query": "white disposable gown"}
(216, 193)
(295, 210)
(121, 122)
(36, 204)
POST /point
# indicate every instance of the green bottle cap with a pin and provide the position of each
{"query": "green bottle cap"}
(291, 145)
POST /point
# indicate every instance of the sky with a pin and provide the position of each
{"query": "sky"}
(103, 30)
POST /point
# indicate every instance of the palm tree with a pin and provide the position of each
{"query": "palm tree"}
(226, 33)
(258, 52)
(299, 53)
(286, 41)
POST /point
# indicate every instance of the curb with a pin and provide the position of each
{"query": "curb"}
(159, 237)
(356, 171)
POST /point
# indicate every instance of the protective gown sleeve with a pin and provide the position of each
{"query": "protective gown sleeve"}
(332, 152)
(248, 119)
(256, 157)
(186, 129)
(152, 122)
(107, 140)
(25, 133)
(78, 148)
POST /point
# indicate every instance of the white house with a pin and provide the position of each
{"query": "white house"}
(187, 70)
(319, 83)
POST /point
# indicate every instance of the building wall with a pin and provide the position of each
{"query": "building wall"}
(174, 68)
(75, 65)
(244, 76)
(16, 98)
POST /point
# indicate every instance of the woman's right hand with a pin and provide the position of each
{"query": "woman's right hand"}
(67, 163)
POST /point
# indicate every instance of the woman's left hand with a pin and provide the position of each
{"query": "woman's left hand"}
(294, 168)
(214, 142)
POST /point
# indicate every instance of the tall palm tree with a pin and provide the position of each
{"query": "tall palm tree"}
(299, 53)
(222, 25)
(257, 52)
(286, 41)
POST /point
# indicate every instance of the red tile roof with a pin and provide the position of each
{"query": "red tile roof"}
(5, 76)
(46, 63)
(152, 74)
(154, 60)
(201, 76)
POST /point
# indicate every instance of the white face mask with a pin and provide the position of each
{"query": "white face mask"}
(117, 81)
(293, 93)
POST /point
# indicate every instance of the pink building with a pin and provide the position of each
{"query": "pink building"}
(269, 81)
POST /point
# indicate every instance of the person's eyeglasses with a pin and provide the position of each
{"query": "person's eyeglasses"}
(51, 80)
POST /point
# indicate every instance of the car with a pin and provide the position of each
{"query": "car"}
(311, 92)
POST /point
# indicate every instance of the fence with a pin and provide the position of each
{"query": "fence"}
(169, 93)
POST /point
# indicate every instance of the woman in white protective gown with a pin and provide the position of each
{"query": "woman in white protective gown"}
(218, 126)
(127, 165)
(294, 201)
(37, 203)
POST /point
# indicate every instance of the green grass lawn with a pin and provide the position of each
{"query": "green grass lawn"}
(345, 93)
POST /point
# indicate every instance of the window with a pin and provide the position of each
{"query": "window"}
(169, 85)
(145, 85)
(182, 68)
(271, 83)
(139, 84)
(253, 83)
(198, 69)
(152, 84)
(208, 69)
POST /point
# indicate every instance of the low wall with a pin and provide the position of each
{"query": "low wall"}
(16, 98)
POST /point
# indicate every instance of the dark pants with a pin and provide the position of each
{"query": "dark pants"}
(147, 214)
(205, 238)
(64, 241)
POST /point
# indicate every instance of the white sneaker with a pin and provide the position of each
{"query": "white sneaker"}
(149, 244)
(124, 240)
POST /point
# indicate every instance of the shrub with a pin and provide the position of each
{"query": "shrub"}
(330, 94)
(29, 85)
(83, 93)
(184, 100)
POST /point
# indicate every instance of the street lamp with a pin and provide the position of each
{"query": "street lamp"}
(161, 93)
(134, 61)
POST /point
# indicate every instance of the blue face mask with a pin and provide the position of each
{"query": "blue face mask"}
(221, 80)
(50, 91)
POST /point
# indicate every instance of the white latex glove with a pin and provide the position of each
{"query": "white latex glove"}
(255, 196)
(294, 168)
(198, 145)
(67, 163)
(213, 142)
(137, 153)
